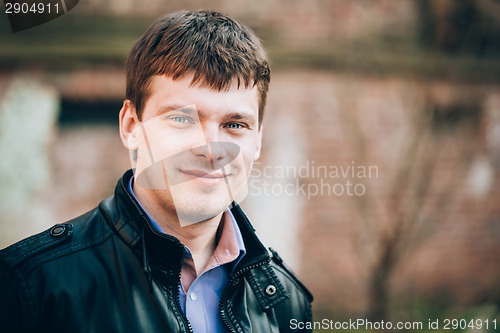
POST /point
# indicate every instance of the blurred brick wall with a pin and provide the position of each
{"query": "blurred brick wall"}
(437, 183)
(296, 21)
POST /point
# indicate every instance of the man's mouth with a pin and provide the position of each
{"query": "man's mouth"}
(214, 177)
(201, 173)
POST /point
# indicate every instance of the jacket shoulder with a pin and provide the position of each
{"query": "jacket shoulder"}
(54, 242)
(288, 275)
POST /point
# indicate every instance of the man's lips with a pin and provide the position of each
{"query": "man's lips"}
(203, 174)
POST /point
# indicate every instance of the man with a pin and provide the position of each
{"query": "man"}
(171, 251)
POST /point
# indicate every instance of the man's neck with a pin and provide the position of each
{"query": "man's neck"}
(199, 237)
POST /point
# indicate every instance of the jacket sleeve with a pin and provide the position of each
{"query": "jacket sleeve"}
(11, 303)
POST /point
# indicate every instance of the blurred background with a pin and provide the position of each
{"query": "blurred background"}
(379, 179)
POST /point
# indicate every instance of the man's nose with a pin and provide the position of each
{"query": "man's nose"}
(211, 132)
(217, 153)
(210, 149)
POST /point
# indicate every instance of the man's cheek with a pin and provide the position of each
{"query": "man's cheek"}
(166, 144)
(238, 186)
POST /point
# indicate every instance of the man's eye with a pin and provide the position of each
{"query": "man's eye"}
(181, 120)
(234, 126)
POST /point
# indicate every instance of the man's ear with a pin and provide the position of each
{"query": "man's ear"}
(259, 145)
(128, 125)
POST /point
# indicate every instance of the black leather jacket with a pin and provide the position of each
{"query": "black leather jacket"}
(110, 271)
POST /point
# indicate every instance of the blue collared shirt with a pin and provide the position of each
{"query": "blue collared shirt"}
(201, 302)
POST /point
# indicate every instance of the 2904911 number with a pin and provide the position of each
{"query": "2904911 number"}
(35, 8)
(474, 324)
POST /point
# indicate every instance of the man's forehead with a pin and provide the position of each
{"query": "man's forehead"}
(189, 81)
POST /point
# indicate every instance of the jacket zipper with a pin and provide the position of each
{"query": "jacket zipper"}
(147, 270)
(178, 299)
(186, 321)
(231, 284)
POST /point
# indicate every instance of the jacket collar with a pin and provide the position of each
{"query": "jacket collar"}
(165, 252)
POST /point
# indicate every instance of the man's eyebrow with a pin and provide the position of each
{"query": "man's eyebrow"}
(249, 118)
(188, 109)
(240, 116)
(234, 115)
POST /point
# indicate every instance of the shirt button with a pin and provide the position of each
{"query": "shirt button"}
(193, 297)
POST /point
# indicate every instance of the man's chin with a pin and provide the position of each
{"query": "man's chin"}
(198, 208)
(190, 217)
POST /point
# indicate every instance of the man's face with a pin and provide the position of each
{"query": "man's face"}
(196, 146)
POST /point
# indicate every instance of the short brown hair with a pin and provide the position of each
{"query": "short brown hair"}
(216, 49)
